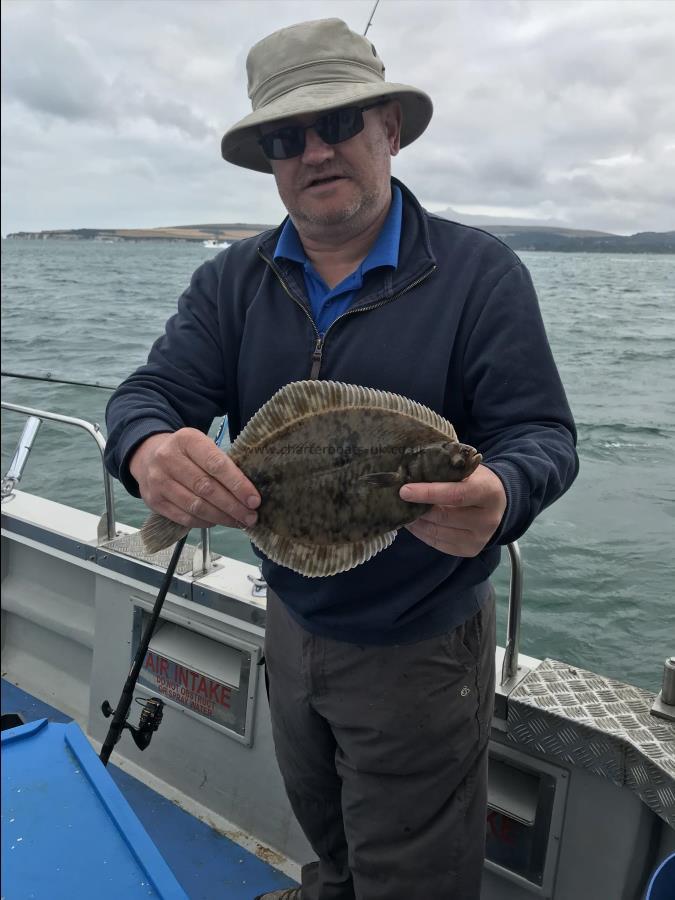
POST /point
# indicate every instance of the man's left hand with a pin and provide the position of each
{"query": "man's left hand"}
(465, 514)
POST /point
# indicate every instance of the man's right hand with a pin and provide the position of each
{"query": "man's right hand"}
(187, 478)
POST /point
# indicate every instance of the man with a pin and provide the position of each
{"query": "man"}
(381, 679)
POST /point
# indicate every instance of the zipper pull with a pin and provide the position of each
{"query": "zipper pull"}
(316, 358)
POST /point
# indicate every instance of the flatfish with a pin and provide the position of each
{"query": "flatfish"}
(328, 460)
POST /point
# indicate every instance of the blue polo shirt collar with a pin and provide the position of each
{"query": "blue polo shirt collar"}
(384, 251)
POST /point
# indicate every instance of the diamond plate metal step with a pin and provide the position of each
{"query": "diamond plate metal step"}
(132, 545)
(598, 724)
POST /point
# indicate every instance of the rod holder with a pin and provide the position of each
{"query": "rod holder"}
(668, 688)
(21, 454)
(664, 704)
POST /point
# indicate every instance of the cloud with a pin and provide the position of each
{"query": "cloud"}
(46, 71)
(113, 111)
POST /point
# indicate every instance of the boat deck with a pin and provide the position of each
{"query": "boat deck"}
(208, 865)
(581, 794)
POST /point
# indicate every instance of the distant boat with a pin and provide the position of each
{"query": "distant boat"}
(215, 244)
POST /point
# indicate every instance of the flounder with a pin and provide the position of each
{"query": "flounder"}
(328, 460)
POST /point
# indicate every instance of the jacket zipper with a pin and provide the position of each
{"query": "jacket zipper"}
(316, 357)
(317, 353)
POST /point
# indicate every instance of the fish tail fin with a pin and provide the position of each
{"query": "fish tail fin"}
(158, 533)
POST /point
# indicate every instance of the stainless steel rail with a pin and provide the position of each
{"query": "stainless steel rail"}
(201, 561)
(95, 432)
(510, 663)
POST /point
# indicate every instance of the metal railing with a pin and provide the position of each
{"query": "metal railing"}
(510, 663)
(26, 442)
(202, 561)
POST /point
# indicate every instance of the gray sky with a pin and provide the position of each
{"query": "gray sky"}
(112, 110)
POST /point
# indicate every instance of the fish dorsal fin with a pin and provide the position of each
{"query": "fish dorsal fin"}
(300, 399)
(317, 561)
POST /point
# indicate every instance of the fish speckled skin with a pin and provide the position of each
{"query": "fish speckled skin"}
(312, 481)
(328, 460)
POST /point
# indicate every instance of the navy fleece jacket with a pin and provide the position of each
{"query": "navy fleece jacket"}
(455, 326)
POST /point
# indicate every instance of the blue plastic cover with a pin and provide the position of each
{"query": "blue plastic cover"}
(662, 885)
(67, 830)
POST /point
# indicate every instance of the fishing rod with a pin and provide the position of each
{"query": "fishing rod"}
(371, 17)
(151, 714)
(50, 378)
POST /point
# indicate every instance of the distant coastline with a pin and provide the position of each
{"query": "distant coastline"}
(518, 237)
(234, 231)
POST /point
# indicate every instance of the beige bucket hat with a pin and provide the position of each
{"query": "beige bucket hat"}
(310, 68)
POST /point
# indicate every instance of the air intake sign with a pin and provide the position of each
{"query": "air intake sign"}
(194, 690)
(213, 680)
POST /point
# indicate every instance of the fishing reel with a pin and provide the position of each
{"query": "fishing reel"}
(148, 723)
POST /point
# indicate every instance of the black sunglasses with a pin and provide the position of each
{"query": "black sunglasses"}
(332, 127)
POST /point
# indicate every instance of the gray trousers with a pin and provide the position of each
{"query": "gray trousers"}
(383, 752)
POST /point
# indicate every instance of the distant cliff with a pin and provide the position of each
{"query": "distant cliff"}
(233, 231)
(519, 237)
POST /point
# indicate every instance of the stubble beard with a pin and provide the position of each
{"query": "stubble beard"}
(348, 219)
